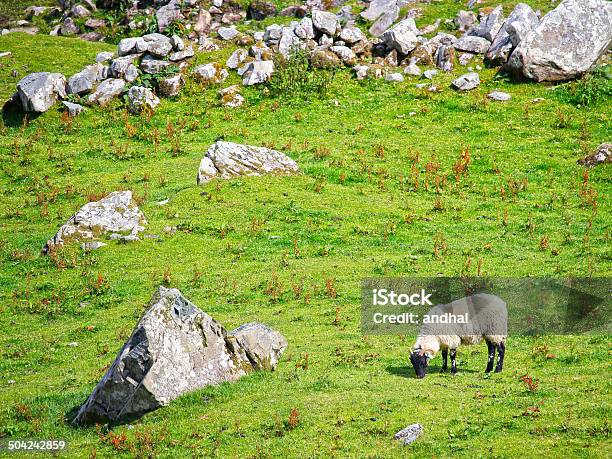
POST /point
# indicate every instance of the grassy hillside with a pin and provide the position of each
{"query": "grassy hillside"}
(291, 252)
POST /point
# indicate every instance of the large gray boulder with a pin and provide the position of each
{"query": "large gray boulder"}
(567, 43)
(227, 160)
(116, 213)
(38, 92)
(522, 17)
(402, 36)
(174, 349)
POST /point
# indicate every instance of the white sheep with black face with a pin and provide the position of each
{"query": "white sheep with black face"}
(487, 319)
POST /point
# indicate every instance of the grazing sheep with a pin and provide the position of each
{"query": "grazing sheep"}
(487, 318)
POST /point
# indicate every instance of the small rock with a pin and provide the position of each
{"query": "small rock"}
(171, 86)
(471, 44)
(429, 74)
(237, 58)
(73, 109)
(258, 72)
(210, 73)
(227, 33)
(466, 82)
(325, 22)
(603, 155)
(141, 98)
(395, 77)
(92, 245)
(106, 91)
(402, 37)
(500, 96)
(413, 69)
(409, 434)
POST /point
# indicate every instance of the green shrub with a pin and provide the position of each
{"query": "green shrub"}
(295, 77)
(593, 88)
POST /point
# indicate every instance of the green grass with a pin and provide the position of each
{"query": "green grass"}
(353, 213)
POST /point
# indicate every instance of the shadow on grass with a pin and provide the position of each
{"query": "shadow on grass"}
(13, 116)
(408, 371)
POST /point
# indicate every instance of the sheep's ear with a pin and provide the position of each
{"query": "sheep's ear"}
(415, 348)
(428, 354)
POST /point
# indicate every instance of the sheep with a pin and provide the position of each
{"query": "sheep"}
(487, 317)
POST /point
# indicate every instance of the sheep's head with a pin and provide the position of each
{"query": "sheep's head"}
(420, 360)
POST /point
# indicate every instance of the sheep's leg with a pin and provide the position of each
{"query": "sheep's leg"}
(453, 356)
(444, 361)
(501, 350)
(491, 360)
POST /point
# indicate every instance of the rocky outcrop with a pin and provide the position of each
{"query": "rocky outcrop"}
(228, 160)
(567, 43)
(116, 213)
(38, 92)
(174, 349)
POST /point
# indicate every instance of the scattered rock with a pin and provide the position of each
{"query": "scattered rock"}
(231, 97)
(465, 20)
(325, 22)
(383, 13)
(171, 86)
(402, 37)
(104, 56)
(409, 434)
(476, 45)
(157, 45)
(68, 27)
(499, 96)
(5, 54)
(38, 92)
(210, 73)
(413, 69)
(141, 98)
(466, 82)
(79, 11)
(106, 91)
(227, 160)
(465, 58)
(429, 74)
(395, 77)
(567, 43)
(93, 245)
(117, 212)
(445, 58)
(603, 155)
(167, 14)
(227, 33)
(489, 26)
(258, 72)
(84, 81)
(263, 345)
(346, 55)
(73, 109)
(351, 35)
(153, 66)
(176, 348)
(260, 10)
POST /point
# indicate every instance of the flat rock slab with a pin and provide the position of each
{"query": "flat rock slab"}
(174, 349)
(116, 213)
(567, 43)
(227, 160)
